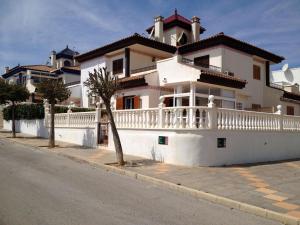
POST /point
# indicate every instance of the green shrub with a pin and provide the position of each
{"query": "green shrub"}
(25, 112)
(36, 111)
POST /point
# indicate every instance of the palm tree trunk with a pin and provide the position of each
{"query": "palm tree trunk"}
(13, 124)
(52, 134)
(118, 146)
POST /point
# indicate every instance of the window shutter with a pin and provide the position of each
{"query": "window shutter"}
(136, 102)
(119, 105)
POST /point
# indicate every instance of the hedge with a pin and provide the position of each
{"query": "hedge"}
(25, 111)
(36, 111)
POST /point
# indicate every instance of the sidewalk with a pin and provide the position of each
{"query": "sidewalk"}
(273, 186)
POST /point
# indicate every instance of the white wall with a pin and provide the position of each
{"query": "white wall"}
(199, 148)
(215, 55)
(138, 60)
(86, 67)
(68, 77)
(174, 71)
(75, 90)
(79, 136)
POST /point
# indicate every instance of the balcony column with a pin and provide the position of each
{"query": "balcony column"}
(192, 94)
(191, 104)
(178, 91)
(127, 62)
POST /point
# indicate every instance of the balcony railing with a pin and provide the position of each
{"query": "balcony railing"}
(143, 69)
(210, 67)
(277, 86)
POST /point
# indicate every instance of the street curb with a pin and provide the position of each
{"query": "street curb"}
(255, 210)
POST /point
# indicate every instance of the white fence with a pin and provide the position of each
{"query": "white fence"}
(197, 117)
(200, 117)
(73, 120)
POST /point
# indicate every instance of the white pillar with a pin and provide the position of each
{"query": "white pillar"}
(212, 113)
(191, 103)
(280, 113)
(178, 91)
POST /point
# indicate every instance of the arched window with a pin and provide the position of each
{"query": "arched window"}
(67, 63)
(182, 39)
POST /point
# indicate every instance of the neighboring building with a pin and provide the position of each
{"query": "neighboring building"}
(287, 82)
(63, 65)
(176, 64)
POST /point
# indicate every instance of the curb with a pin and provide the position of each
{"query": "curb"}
(255, 210)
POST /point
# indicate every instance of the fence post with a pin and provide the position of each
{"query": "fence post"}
(98, 123)
(212, 113)
(279, 112)
(46, 112)
(161, 112)
(68, 115)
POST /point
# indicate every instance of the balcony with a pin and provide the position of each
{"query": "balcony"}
(209, 67)
(143, 69)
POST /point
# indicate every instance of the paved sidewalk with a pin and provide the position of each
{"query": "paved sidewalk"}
(273, 186)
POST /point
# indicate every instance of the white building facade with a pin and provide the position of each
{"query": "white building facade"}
(177, 64)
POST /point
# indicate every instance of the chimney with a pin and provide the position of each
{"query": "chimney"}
(158, 28)
(53, 59)
(6, 69)
(195, 29)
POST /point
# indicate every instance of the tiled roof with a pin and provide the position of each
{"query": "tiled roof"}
(125, 42)
(38, 67)
(176, 20)
(219, 78)
(17, 69)
(222, 39)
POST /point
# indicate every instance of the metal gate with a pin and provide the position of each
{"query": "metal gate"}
(103, 133)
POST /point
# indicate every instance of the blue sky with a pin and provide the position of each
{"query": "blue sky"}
(30, 29)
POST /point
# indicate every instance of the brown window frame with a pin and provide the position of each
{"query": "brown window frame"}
(118, 66)
(290, 110)
(256, 106)
(256, 72)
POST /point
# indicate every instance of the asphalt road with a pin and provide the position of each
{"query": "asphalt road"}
(41, 188)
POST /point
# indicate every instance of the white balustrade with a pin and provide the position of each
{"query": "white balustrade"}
(184, 117)
(136, 118)
(230, 119)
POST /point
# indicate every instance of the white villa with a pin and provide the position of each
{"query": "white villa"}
(63, 65)
(185, 100)
(175, 62)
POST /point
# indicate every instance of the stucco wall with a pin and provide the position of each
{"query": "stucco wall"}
(86, 67)
(199, 148)
(79, 136)
(215, 55)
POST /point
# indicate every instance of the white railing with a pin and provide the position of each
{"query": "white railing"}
(136, 118)
(230, 119)
(291, 123)
(197, 118)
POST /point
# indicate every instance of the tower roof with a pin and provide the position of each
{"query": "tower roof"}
(67, 53)
(176, 20)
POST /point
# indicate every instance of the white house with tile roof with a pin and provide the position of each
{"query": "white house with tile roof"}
(175, 62)
(63, 65)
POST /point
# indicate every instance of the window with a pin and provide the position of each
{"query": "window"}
(118, 66)
(239, 106)
(202, 61)
(182, 39)
(256, 72)
(129, 102)
(256, 106)
(67, 63)
(290, 110)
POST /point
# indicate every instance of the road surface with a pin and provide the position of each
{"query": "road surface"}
(38, 187)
